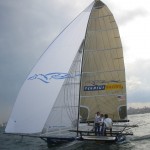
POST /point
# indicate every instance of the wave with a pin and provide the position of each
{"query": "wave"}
(140, 138)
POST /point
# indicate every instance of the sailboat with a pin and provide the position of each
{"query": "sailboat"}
(81, 72)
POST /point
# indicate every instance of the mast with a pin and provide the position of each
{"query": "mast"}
(78, 119)
(83, 44)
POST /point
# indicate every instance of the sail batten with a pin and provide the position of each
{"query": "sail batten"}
(101, 30)
(102, 71)
(109, 49)
(102, 95)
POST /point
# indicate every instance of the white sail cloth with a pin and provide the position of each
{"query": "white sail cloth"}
(39, 92)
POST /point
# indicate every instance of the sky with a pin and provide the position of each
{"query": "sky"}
(27, 27)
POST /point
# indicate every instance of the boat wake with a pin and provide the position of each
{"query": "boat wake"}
(140, 138)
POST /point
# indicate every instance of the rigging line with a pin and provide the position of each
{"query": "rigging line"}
(129, 128)
(66, 100)
(59, 35)
(83, 44)
(64, 90)
(50, 117)
(75, 92)
(73, 69)
(78, 68)
(65, 95)
(74, 97)
(75, 86)
(82, 60)
(59, 96)
(68, 97)
(64, 106)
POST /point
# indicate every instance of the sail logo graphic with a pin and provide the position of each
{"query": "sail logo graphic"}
(104, 87)
(56, 75)
(114, 86)
(121, 97)
(94, 88)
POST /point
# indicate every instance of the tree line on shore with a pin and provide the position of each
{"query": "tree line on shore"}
(138, 110)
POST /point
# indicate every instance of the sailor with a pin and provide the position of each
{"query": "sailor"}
(107, 124)
(97, 123)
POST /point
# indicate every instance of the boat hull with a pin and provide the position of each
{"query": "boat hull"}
(58, 141)
(100, 139)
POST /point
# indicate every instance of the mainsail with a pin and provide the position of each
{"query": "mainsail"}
(103, 74)
(82, 71)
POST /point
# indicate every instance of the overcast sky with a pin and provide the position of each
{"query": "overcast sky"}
(27, 27)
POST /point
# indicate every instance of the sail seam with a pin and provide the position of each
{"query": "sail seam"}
(101, 16)
(65, 106)
(101, 71)
(109, 29)
(69, 84)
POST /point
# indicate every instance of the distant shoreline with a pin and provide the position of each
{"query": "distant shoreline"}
(143, 110)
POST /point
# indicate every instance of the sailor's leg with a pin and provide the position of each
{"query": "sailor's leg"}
(98, 129)
(95, 129)
(111, 131)
(104, 130)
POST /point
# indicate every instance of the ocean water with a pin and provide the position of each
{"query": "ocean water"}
(140, 140)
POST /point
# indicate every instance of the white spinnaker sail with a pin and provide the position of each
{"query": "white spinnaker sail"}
(41, 88)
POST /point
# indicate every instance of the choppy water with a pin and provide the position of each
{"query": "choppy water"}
(140, 140)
